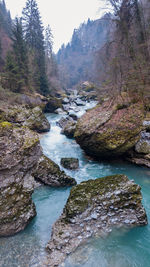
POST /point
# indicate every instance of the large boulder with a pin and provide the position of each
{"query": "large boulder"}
(68, 125)
(69, 129)
(33, 118)
(63, 121)
(19, 152)
(140, 154)
(53, 104)
(94, 207)
(49, 173)
(37, 121)
(111, 129)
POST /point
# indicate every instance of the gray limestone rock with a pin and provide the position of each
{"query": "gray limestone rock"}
(49, 173)
(33, 118)
(89, 212)
(19, 152)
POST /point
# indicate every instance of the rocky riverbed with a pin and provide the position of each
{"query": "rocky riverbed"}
(29, 245)
(16, 132)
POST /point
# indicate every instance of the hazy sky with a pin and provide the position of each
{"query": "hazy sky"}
(62, 15)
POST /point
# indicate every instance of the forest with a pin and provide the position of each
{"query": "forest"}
(27, 61)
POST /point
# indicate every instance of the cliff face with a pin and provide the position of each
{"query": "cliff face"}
(76, 60)
(19, 152)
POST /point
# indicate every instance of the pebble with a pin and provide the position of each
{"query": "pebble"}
(88, 228)
(94, 216)
(127, 221)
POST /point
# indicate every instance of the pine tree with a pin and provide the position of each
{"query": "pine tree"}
(16, 61)
(20, 50)
(48, 42)
(5, 18)
(11, 73)
(33, 31)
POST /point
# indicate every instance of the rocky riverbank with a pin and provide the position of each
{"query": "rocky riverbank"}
(95, 207)
(109, 130)
(22, 163)
(116, 128)
(19, 152)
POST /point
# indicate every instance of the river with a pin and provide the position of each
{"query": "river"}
(122, 248)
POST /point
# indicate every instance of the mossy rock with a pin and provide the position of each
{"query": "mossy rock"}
(33, 118)
(83, 195)
(93, 208)
(107, 132)
(53, 104)
(143, 147)
(19, 152)
(69, 129)
(37, 121)
(70, 163)
(49, 173)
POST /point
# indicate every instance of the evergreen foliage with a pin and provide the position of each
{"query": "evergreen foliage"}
(48, 42)
(12, 75)
(16, 61)
(5, 18)
(33, 32)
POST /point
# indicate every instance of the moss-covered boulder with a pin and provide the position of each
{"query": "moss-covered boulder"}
(143, 147)
(19, 152)
(69, 129)
(49, 173)
(68, 125)
(37, 121)
(33, 118)
(70, 163)
(140, 155)
(95, 207)
(53, 104)
(107, 131)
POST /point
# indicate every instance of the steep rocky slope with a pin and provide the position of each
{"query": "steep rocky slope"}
(76, 60)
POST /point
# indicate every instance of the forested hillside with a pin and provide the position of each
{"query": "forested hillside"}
(76, 60)
(5, 32)
(123, 64)
(27, 61)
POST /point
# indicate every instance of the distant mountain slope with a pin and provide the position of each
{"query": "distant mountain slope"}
(76, 60)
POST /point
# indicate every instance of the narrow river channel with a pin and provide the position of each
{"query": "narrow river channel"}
(122, 248)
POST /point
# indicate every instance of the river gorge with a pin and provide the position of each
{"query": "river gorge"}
(121, 247)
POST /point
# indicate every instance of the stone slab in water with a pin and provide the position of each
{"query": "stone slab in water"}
(95, 207)
(49, 173)
(70, 163)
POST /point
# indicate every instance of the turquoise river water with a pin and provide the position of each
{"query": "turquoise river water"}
(122, 248)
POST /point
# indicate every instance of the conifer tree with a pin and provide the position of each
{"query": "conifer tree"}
(11, 73)
(5, 18)
(33, 31)
(48, 42)
(20, 50)
(16, 61)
